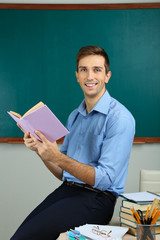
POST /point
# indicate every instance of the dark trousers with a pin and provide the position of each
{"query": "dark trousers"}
(67, 207)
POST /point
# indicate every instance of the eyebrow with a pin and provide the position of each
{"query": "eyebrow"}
(92, 67)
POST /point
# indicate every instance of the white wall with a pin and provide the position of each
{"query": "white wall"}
(25, 181)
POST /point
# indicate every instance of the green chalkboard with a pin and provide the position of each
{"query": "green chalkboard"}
(38, 61)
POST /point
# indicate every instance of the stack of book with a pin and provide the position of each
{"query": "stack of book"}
(126, 218)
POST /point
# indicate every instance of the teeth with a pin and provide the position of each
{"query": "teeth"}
(90, 85)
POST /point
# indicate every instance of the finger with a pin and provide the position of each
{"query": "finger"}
(27, 135)
(29, 140)
(34, 139)
(42, 137)
(31, 145)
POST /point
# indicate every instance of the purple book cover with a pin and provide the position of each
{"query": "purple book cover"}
(43, 120)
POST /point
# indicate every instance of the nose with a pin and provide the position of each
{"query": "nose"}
(90, 75)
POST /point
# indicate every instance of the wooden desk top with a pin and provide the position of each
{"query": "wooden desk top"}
(126, 237)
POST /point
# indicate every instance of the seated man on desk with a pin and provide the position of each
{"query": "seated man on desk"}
(93, 160)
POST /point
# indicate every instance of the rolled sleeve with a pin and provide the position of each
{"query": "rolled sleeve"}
(115, 152)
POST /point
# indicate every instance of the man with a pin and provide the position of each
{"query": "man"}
(93, 160)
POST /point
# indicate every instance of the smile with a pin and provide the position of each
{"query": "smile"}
(90, 85)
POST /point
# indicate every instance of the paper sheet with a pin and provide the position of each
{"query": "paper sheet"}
(140, 196)
(116, 234)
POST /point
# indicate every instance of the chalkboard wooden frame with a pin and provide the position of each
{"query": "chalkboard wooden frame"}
(80, 7)
(137, 140)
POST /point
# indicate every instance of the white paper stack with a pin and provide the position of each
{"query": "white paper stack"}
(116, 233)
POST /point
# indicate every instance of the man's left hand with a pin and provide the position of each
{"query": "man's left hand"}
(46, 149)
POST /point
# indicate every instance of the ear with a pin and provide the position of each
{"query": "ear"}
(108, 75)
(77, 76)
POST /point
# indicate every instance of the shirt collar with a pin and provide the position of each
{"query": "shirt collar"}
(102, 105)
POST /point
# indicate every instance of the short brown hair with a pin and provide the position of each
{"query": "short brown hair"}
(93, 50)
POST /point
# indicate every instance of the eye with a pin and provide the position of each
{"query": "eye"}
(97, 70)
(83, 69)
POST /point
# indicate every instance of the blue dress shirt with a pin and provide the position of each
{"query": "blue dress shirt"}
(102, 139)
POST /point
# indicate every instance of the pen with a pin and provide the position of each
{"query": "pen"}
(75, 231)
(74, 235)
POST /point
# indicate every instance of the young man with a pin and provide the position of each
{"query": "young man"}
(93, 160)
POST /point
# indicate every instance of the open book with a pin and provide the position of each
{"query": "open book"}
(141, 197)
(41, 118)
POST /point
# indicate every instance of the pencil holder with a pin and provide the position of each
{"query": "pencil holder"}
(145, 232)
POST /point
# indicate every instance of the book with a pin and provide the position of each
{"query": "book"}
(129, 217)
(133, 231)
(132, 223)
(41, 118)
(142, 206)
(128, 211)
(139, 197)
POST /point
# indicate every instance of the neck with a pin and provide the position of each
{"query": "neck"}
(91, 102)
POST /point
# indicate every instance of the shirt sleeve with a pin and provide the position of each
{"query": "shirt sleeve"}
(112, 166)
(70, 122)
(64, 146)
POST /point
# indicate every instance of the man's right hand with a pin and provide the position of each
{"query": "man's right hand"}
(29, 142)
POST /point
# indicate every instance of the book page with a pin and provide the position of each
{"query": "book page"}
(16, 114)
(40, 104)
(140, 196)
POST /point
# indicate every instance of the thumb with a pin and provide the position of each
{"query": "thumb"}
(42, 137)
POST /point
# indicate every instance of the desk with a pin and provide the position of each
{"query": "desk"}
(126, 237)
(114, 222)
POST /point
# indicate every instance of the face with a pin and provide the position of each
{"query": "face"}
(92, 76)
